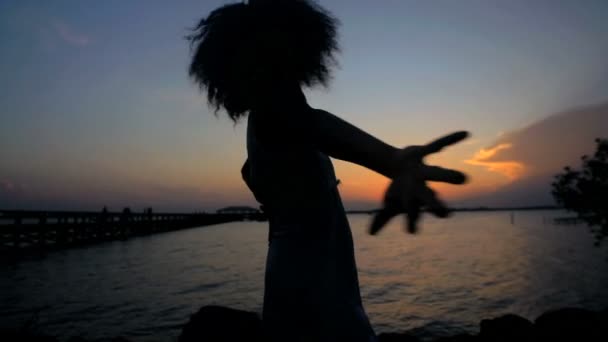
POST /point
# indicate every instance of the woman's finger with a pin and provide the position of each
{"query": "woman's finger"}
(439, 144)
(394, 191)
(413, 214)
(394, 198)
(439, 174)
(381, 219)
(432, 202)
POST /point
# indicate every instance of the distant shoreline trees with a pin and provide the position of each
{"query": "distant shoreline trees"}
(585, 191)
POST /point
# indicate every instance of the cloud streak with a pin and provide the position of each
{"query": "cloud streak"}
(530, 157)
(512, 170)
(69, 35)
(9, 187)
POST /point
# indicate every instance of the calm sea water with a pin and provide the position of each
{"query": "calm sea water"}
(444, 280)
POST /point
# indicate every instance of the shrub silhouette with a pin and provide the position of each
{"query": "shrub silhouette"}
(585, 191)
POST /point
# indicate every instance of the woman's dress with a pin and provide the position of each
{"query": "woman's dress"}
(311, 287)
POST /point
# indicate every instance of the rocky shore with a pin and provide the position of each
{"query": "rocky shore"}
(220, 324)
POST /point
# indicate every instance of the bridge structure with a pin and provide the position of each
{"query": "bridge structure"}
(22, 231)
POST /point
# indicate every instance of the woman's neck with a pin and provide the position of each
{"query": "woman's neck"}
(280, 97)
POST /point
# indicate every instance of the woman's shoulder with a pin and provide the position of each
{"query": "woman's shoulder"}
(291, 128)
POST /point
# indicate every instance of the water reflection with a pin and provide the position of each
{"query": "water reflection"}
(446, 279)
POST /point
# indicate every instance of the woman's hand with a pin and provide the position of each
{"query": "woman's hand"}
(408, 192)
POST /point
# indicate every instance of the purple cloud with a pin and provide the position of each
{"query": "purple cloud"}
(530, 157)
(69, 35)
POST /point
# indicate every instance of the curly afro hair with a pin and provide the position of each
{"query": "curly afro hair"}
(259, 44)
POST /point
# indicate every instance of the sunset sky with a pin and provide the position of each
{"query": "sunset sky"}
(96, 107)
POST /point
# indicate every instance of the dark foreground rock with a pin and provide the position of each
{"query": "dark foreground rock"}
(213, 324)
(567, 324)
(572, 324)
(397, 337)
(506, 328)
(220, 324)
(23, 335)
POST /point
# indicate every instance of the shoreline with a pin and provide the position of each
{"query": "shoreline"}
(222, 324)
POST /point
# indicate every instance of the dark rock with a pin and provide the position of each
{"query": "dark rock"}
(570, 324)
(219, 324)
(77, 339)
(397, 337)
(603, 317)
(506, 328)
(112, 339)
(459, 338)
(18, 336)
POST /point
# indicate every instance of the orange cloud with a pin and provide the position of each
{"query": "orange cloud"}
(527, 159)
(511, 169)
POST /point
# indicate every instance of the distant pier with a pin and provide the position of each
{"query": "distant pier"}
(31, 231)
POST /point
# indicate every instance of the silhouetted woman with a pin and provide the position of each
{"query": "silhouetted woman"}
(253, 59)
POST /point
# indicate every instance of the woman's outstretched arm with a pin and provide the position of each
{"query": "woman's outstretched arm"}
(408, 192)
(288, 120)
(342, 140)
(345, 141)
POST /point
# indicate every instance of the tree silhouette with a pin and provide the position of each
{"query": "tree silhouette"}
(585, 192)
